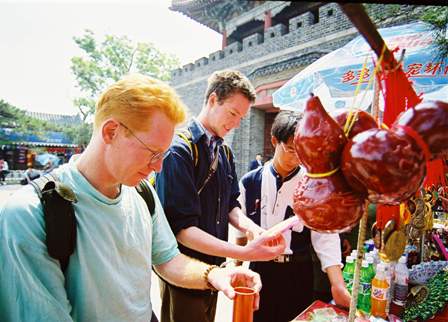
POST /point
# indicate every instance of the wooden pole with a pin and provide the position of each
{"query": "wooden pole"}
(359, 257)
(361, 20)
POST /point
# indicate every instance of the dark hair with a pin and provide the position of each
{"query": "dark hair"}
(284, 125)
(225, 83)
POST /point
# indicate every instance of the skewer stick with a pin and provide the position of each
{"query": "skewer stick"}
(361, 20)
(359, 257)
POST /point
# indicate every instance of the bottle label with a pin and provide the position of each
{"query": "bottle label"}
(364, 288)
(400, 293)
(379, 293)
(348, 280)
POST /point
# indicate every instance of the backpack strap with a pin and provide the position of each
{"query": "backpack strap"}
(228, 152)
(60, 222)
(186, 135)
(146, 193)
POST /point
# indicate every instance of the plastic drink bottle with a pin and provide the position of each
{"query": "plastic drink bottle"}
(380, 287)
(370, 261)
(390, 269)
(348, 272)
(364, 288)
(401, 280)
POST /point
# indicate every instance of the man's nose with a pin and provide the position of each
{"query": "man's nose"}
(156, 166)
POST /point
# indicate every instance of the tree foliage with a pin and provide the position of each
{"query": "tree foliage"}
(437, 16)
(107, 61)
(17, 119)
(12, 117)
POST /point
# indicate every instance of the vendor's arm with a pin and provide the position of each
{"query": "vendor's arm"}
(328, 250)
(241, 222)
(31, 283)
(251, 230)
(340, 293)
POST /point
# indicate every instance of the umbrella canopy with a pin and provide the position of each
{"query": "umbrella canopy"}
(334, 77)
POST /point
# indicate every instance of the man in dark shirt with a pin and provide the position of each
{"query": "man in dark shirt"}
(200, 203)
(258, 162)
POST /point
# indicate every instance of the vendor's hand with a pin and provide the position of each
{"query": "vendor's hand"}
(265, 247)
(341, 295)
(253, 232)
(225, 279)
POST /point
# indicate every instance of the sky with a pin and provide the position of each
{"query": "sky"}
(36, 43)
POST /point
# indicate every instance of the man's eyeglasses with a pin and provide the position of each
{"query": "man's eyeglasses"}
(155, 156)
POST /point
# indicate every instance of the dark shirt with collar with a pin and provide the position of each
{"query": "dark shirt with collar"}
(179, 181)
(254, 164)
(251, 181)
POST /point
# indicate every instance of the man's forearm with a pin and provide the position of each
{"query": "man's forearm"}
(201, 241)
(184, 271)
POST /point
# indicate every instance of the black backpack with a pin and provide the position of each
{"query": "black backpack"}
(60, 222)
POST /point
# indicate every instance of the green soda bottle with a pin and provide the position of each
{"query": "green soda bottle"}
(348, 272)
(370, 261)
(365, 288)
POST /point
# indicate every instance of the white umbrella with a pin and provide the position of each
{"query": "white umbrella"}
(335, 76)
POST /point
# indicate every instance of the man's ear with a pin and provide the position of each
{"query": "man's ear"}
(109, 130)
(212, 100)
(274, 141)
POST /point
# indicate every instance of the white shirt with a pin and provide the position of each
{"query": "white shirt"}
(273, 206)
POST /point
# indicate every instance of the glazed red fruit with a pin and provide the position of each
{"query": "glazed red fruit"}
(430, 120)
(364, 121)
(327, 204)
(389, 166)
(319, 140)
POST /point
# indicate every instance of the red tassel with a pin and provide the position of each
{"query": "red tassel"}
(435, 174)
(399, 94)
(384, 213)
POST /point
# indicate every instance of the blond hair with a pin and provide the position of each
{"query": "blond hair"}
(134, 98)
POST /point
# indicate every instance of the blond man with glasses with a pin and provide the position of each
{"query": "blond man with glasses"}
(108, 277)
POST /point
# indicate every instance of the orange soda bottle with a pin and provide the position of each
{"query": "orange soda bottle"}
(380, 287)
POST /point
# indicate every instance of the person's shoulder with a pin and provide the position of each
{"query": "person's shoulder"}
(252, 176)
(21, 216)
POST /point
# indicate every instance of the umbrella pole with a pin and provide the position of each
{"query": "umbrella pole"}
(360, 255)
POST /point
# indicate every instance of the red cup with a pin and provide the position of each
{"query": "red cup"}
(243, 304)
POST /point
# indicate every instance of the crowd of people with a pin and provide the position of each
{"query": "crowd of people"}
(185, 240)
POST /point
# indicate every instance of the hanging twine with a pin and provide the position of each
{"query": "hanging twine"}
(360, 255)
(322, 175)
(352, 115)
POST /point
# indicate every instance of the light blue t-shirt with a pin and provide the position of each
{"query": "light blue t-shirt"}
(109, 274)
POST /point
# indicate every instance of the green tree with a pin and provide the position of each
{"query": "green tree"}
(437, 16)
(106, 62)
(14, 118)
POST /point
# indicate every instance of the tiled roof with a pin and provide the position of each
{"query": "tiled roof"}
(56, 118)
(303, 60)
